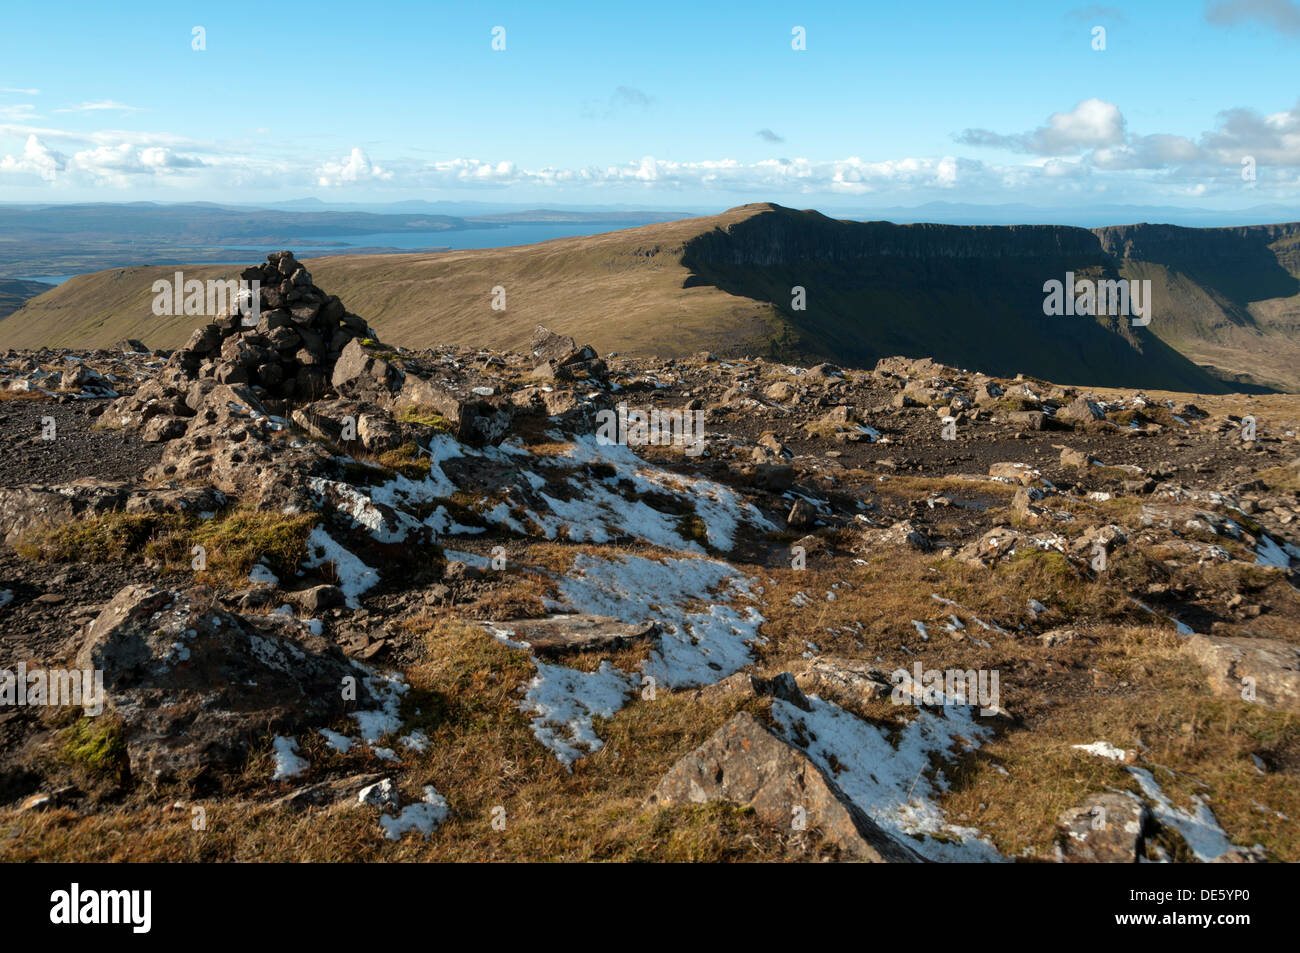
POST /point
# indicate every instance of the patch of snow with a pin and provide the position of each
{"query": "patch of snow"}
(423, 817)
(1104, 749)
(888, 782)
(1199, 827)
(355, 577)
(340, 743)
(288, 763)
(262, 574)
(563, 702)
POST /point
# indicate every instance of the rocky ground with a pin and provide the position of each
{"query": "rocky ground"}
(350, 601)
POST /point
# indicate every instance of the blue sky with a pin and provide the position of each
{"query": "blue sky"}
(663, 105)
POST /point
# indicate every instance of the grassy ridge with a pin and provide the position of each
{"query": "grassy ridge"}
(967, 295)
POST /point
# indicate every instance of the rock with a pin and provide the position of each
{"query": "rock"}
(902, 533)
(1075, 458)
(781, 392)
(562, 634)
(1021, 473)
(24, 508)
(326, 793)
(776, 477)
(802, 515)
(382, 794)
(547, 346)
(319, 598)
(1105, 828)
(378, 433)
(1055, 637)
(1028, 419)
(1080, 411)
(1022, 504)
(194, 684)
(457, 571)
(1237, 666)
(845, 682)
(163, 428)
(745, 764)
(359, 373)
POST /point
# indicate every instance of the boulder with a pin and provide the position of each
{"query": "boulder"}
(1106, 828)
(195, 685)
(1240, 666)
(563, 634)
(743, 763)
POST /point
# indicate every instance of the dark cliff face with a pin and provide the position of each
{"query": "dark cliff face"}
(783, 236)
(1170, 242)
(970, 296)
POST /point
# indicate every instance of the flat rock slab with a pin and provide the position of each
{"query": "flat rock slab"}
(561, 634)
(1239, 667)
(744, 763)
(1106, 828)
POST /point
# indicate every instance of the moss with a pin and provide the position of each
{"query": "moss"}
(103, 538)
(233, 541)
(243, 537)
(407, 461)
(693, 528)
(426, 417)
(98, 746)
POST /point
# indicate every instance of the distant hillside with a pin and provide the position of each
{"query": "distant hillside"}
(15, 292)
(1228, 297)
(966, 295)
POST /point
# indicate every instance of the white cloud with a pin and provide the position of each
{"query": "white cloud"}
(1090, 124)
(20, 92)
(357, 168)
(103, 105)
(37, 159)
(18, 112)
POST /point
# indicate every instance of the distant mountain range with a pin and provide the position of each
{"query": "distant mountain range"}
(1226, 300)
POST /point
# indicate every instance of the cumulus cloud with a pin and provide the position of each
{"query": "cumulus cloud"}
(1281, 15)
(1091, 124)
(111, 164)
(36, 159)
(357, 168)
(1273, 139)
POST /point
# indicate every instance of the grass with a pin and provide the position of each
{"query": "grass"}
(484, 759)
(234, 541)
(406, 460)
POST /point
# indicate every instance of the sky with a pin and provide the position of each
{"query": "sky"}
(671, 105)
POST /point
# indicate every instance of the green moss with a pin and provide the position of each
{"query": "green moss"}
(233, 541)
(102, 538)
(98, 746)
(407, 461)
(693, 528)
(426, 417)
